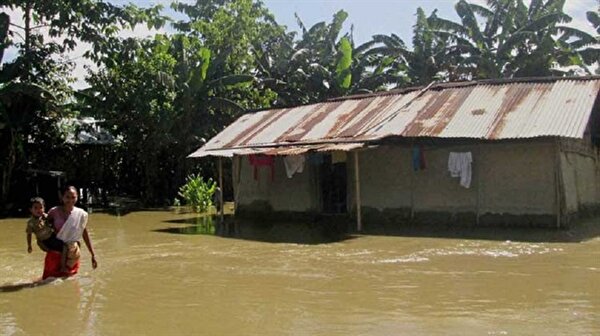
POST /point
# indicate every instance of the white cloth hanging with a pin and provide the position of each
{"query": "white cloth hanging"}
(293, 164)
(459, 165)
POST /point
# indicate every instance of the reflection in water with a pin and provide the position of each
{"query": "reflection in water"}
(174, 274)
(206, 225)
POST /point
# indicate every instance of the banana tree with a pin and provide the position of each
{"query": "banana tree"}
(163, 96)
(405, 67)
(474, 44)
(593, 56)
(546, 46)
(321, 64)
(513, 39)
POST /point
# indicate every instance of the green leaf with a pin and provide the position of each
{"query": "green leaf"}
(204, 54)
(233, 80)
(594, 19)
(344, 77)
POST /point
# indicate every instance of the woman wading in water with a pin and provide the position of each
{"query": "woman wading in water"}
(70, 226)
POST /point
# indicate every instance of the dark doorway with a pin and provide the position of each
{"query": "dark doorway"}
(45, 184)
(333, 185)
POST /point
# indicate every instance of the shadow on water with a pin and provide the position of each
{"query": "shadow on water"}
(325, 231)
(127, 209)
(579, 232)
(123, 211)
(20, 286)
(264, 231)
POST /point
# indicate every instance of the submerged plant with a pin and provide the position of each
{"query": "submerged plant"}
(198, 193)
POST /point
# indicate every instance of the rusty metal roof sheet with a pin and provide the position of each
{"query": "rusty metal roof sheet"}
(493, 110)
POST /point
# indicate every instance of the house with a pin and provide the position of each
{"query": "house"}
(519, 152)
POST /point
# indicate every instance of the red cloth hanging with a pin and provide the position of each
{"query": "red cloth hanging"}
(262, 161)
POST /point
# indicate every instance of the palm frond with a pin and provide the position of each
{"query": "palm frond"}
(521, 13)
(590, 55)
(449, 26)
(481, 10)
(465, 12)
(336, 25)
(544, 22)
(300, 24)
(299, 53)
(583, 38)
(222, 103)
(457, 39)
(496, 19)
(534, 8)
(232, 80)
(386, 51)
(363, 47)
(317, 29)
(389, 40)
(516, 38)
(594, 19)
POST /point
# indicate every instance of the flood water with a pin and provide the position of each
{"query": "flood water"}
(152, 280)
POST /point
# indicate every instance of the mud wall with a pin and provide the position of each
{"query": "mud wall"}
(580, 178)
(280, 193)
(512, 183)
(506, 178)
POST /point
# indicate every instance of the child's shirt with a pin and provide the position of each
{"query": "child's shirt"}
(41, 229)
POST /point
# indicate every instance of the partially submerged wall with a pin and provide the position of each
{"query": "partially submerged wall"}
(513, 183)
(580, 179)
(279, 193)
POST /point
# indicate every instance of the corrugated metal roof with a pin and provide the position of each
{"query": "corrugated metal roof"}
(280, 150)
(493, 110)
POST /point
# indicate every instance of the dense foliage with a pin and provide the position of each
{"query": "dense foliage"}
(164, 95)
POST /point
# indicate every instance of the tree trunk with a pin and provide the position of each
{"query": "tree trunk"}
(27, 18)
(7, 169)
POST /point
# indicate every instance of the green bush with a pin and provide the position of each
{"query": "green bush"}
(197, 193)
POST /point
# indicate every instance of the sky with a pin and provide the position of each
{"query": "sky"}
(371, 17)
(368, 17)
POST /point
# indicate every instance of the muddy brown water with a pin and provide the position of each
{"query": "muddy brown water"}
(154, 280)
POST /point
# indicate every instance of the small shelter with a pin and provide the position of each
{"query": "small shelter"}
(521, 152)
(92, 144)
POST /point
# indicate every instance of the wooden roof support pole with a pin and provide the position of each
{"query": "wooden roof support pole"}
(357, 184)
(412, 189)
(412, 194)
(477, 163)
(557, 183)
(221, 189)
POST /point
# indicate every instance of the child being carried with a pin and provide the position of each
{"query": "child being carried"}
(40, 225)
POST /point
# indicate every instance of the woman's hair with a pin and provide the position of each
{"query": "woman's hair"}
(64, 189)
(35, 200)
